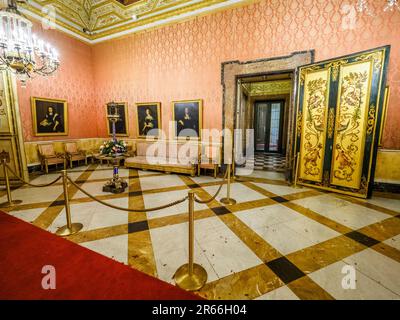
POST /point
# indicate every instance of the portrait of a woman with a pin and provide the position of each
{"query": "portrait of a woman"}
(50, 117)
(148, 119)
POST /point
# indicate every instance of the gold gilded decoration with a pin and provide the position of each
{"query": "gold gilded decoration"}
(371, 119)
(270, 87)
(350, 127)
(304, 71)
(314, 120)
(299, 123)
(331, 122)
(335, 65)
(325, 182)
(376, 57)
(384, 114)
(97, 19)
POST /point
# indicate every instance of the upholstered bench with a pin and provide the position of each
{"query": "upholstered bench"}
(167, 157)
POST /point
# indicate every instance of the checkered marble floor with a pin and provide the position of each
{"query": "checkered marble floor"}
(268, 162)
(277, 242)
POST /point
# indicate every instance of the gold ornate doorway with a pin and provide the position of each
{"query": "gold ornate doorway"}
(339, 112)
(11, 139)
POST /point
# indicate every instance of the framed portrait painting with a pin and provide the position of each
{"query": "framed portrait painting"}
(121, 126)
(188, 116)
(50, 117)
(148, 119)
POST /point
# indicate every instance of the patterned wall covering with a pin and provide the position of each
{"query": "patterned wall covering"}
(183, 61)
(73, 82)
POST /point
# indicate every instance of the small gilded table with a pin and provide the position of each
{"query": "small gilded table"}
(116, 184)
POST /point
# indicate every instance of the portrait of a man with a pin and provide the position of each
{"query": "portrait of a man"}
(121, 126)
(50, 117)
(188, 118)
(148, 119)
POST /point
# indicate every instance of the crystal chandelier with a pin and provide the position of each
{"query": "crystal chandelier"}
(22, 52)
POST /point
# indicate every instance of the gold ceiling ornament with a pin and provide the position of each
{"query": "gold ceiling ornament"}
(97, 20)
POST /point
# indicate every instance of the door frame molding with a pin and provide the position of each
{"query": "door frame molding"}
(231, 71)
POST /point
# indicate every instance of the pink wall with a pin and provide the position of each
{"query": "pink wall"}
(72, 82)
(183, 61)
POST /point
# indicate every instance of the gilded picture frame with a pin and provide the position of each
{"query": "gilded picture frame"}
(49, 117)
(148, 119)
(384, 114)
(188, 114)
(121, 126)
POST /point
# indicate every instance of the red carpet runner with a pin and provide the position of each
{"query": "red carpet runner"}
(80, 273)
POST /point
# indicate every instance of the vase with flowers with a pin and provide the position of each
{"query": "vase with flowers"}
(113, 148)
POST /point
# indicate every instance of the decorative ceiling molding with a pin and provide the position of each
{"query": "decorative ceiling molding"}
(95, 21)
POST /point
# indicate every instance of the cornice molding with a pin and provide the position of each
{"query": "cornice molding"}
(95, 21)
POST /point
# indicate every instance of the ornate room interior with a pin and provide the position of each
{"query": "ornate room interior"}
(106, 161)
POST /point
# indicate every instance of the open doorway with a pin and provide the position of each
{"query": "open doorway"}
(264, 107)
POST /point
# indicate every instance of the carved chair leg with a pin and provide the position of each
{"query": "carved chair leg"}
(215, 171)
(47, 167)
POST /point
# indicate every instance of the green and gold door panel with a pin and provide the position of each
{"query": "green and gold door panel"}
(339, 107)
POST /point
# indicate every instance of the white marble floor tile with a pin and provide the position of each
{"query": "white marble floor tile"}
(170, 247)
(205, 179)
(330, 279)
(392, 204)
(280, 190)
(378, 267)
(283, 238)
(282, 293)
(239, 192)
(159, 182)
(114, 247)
(272, 175)
(27, 215)
(218, 252)
(267, 216)
(36, 195)
(157, 199)
(312, 230)
(344, 212)
(394, 242)
(94, 215)
(95, 189)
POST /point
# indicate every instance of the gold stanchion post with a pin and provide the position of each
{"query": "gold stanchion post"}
(191, 276)
(228, 200)
(70, 228)
(10, 202)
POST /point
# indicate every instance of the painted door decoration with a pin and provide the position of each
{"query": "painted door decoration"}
(339, 110)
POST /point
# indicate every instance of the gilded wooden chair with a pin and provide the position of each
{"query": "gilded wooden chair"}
(48, 156)
(210, 159)
(74, 154)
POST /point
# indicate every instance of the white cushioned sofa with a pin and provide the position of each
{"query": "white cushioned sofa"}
(165, 156)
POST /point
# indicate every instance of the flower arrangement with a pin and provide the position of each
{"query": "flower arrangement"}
(113, 148)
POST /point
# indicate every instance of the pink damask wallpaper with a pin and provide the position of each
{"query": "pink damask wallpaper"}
(72, 82)
(183, 61)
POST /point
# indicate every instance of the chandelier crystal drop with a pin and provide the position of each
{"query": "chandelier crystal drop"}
(391, 5)
(22, 52)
